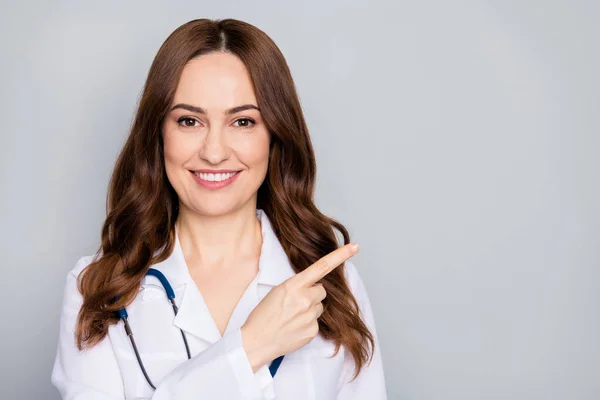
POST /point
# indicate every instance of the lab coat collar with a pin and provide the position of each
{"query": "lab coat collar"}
(274, 266)
(194, 317)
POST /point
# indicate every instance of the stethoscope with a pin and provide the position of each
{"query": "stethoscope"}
(171, 296)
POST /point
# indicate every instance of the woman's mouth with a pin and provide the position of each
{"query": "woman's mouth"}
(214, 180)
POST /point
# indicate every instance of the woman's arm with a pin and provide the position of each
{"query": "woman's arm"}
(221, 371)
(370, 382)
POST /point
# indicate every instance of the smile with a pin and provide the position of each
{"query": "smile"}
(215, 177)
(215, 180)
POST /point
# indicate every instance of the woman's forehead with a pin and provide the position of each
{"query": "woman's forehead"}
(215, 81)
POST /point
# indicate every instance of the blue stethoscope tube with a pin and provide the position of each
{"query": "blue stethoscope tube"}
(171, 296)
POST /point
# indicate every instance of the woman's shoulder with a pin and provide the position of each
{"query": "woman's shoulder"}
(81, 263)
(73, 275)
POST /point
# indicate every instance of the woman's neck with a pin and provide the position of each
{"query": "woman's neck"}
(219, 242)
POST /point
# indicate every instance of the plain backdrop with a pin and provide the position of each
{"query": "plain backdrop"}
(458, 141)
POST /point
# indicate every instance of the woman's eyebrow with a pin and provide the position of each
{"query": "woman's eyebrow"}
(229, 111)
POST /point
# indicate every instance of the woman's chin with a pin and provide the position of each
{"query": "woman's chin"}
(216, 208)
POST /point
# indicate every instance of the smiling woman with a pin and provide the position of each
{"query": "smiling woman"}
(211, 207)
(215, 122)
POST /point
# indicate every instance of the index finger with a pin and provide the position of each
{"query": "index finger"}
(325, 265)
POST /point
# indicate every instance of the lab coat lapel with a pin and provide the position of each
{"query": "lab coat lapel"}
(274, 266)
(193, 316)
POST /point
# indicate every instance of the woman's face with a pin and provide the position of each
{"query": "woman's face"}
(216, 144)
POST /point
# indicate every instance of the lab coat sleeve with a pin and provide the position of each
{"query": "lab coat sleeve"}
(90, 374)
(370, 382)
(221, 371)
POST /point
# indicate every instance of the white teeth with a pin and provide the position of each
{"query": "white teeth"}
(215, 177)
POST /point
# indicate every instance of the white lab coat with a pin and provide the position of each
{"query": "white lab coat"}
(219, 367)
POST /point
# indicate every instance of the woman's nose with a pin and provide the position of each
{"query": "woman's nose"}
(215, 149)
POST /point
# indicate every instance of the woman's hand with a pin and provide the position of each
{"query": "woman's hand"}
(286, 319)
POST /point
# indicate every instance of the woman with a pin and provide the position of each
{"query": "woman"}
(214, 191)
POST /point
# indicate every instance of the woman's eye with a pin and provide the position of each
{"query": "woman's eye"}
(187, 122)
(245, 122)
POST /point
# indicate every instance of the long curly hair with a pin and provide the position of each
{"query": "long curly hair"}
(142, 206)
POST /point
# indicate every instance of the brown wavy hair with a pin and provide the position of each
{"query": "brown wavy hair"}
(142, 206)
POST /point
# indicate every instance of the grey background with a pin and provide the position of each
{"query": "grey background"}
(457, 140)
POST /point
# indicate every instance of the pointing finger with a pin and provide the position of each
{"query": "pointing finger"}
(325, 265)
